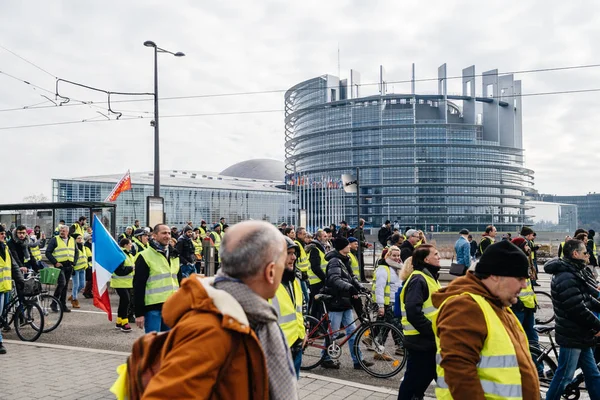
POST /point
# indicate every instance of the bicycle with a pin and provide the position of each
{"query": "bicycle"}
(545, 311)
(50, 305)
(322, 342)
(27, 318)
(542, 355)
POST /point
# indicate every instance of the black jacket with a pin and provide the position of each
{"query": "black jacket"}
(383, 235)
(415, 294)
(575, 300)
(340, 283)
(473, 248)
(315, 259)
(186, 250)
(406, 250)
(20, 250)
(590, 249)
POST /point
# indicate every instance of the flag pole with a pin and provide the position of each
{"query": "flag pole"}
(133, 203)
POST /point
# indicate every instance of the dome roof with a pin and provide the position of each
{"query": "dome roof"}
(261, 169)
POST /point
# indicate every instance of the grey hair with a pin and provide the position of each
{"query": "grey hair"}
(249, 256)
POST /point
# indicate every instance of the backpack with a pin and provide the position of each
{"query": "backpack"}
(146, 359)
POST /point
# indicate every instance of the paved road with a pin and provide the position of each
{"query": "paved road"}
(89, 328)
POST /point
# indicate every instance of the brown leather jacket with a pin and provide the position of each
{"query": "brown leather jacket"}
(208, 324)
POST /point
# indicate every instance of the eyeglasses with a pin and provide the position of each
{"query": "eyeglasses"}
(585, 253)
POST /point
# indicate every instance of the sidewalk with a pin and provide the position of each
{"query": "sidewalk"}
(38, 370)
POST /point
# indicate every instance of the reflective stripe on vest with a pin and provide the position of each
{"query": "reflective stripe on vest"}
(82, 262)
(428, 309)
(312, 278)
(36, 253)
(290, 317)
(124, 282)
(162, 281)
(5, 272)
(303, 262)
(64, 252)
(562, 247)
(354, 264)
(527, 296)
(498, 367)
(387, 290)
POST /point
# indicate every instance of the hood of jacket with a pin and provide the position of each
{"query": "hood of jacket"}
(15, 238)
(468, 283)
(557, 265)
(313, 244)
(198, 294)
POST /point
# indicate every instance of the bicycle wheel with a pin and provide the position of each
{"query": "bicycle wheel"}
(29, 321)
(386, 343)
(546, 363)
(52, 310)
(317, 341)
(545, 313)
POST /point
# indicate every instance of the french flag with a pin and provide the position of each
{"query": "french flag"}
(106, 257)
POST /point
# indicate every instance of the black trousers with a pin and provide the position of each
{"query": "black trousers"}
(63, 282)
(131, 307)
(315, 309)
(390, 318)
(123, 302)
(420, 371)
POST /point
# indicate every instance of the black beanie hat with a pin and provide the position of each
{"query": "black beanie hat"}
(526, 231)
(340, 243)
(504, 259)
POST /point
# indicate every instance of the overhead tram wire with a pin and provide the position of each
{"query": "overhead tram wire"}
(127, 118)
(251, 93)
(28, 62)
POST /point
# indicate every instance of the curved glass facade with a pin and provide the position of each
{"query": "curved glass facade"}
(420, 162)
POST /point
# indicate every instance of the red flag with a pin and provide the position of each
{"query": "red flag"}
(101, 301)
(123, 185)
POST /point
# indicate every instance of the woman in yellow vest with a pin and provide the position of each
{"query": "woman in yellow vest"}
(122, 282)
(417, 313)
(78, 270)
(6, 266)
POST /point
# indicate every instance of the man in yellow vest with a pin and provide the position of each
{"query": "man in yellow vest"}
(317, 270)
(302, 261)
(61, 253)
(140, 241)
(288, 304)
(203, 229)
(354, 265)
(156, 278)
(482, 351)
(122, 282)
(78, 227)
(216, 236)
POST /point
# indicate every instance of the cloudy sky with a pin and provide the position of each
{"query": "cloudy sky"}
(249, 46)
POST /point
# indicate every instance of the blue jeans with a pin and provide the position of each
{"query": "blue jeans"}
(297, 358)
(568, 361)
(153, 322)
(187, 270)
(78, 282)
(345, 318)
(4, 297)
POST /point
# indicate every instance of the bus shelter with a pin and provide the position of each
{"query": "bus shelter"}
(47, 215)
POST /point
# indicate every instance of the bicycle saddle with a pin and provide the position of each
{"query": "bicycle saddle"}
(543, 328)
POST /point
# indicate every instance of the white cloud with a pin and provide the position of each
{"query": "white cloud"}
(234, 46)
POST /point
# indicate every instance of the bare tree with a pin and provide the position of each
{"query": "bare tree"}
(35, 198)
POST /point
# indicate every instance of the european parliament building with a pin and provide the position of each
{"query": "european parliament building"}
(251, 189)
(435, 161)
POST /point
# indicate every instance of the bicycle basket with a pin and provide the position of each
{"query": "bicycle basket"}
(49, 276)
(32, 287)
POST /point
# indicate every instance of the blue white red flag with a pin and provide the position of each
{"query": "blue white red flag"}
(106, 258)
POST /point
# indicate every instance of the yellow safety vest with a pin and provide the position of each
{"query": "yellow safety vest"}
(527, 296)
(303, 262)
(88, 255)
(138, 243)
(162, 281)
(428, 308)
(82, 262)
(354, 264)
(387, 291)
(36, 253)
(78, 229)
(498, 368)
(594, 251)
(202, 232)
(290, 317)
(562, 246)
(532, 254)
(124, 282)
(197, 247)
(312, 278)
(216, 239)
(5, 272)
(64, 252)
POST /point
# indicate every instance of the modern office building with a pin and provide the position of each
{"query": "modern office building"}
(588, 207)
(251, 189)
(552, 217)
(435, 161)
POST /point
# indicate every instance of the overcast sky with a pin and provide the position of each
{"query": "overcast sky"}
(246, 46)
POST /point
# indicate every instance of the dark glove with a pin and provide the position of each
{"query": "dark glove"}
(353, 291)
(365, 290)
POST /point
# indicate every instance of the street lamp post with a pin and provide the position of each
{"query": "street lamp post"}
(149, 43)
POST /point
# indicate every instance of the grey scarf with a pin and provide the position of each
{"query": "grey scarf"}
(263, 320)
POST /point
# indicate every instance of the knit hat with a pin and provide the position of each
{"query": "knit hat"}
(2, 229)
(591, 233)
(463, 232)
(75, 235)
(519, 242)
(352, 239)
(140, 232)
(290, 243)
(340, 243)
(526, 231)
(187, 228)
(504, 259)
(215, 226)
